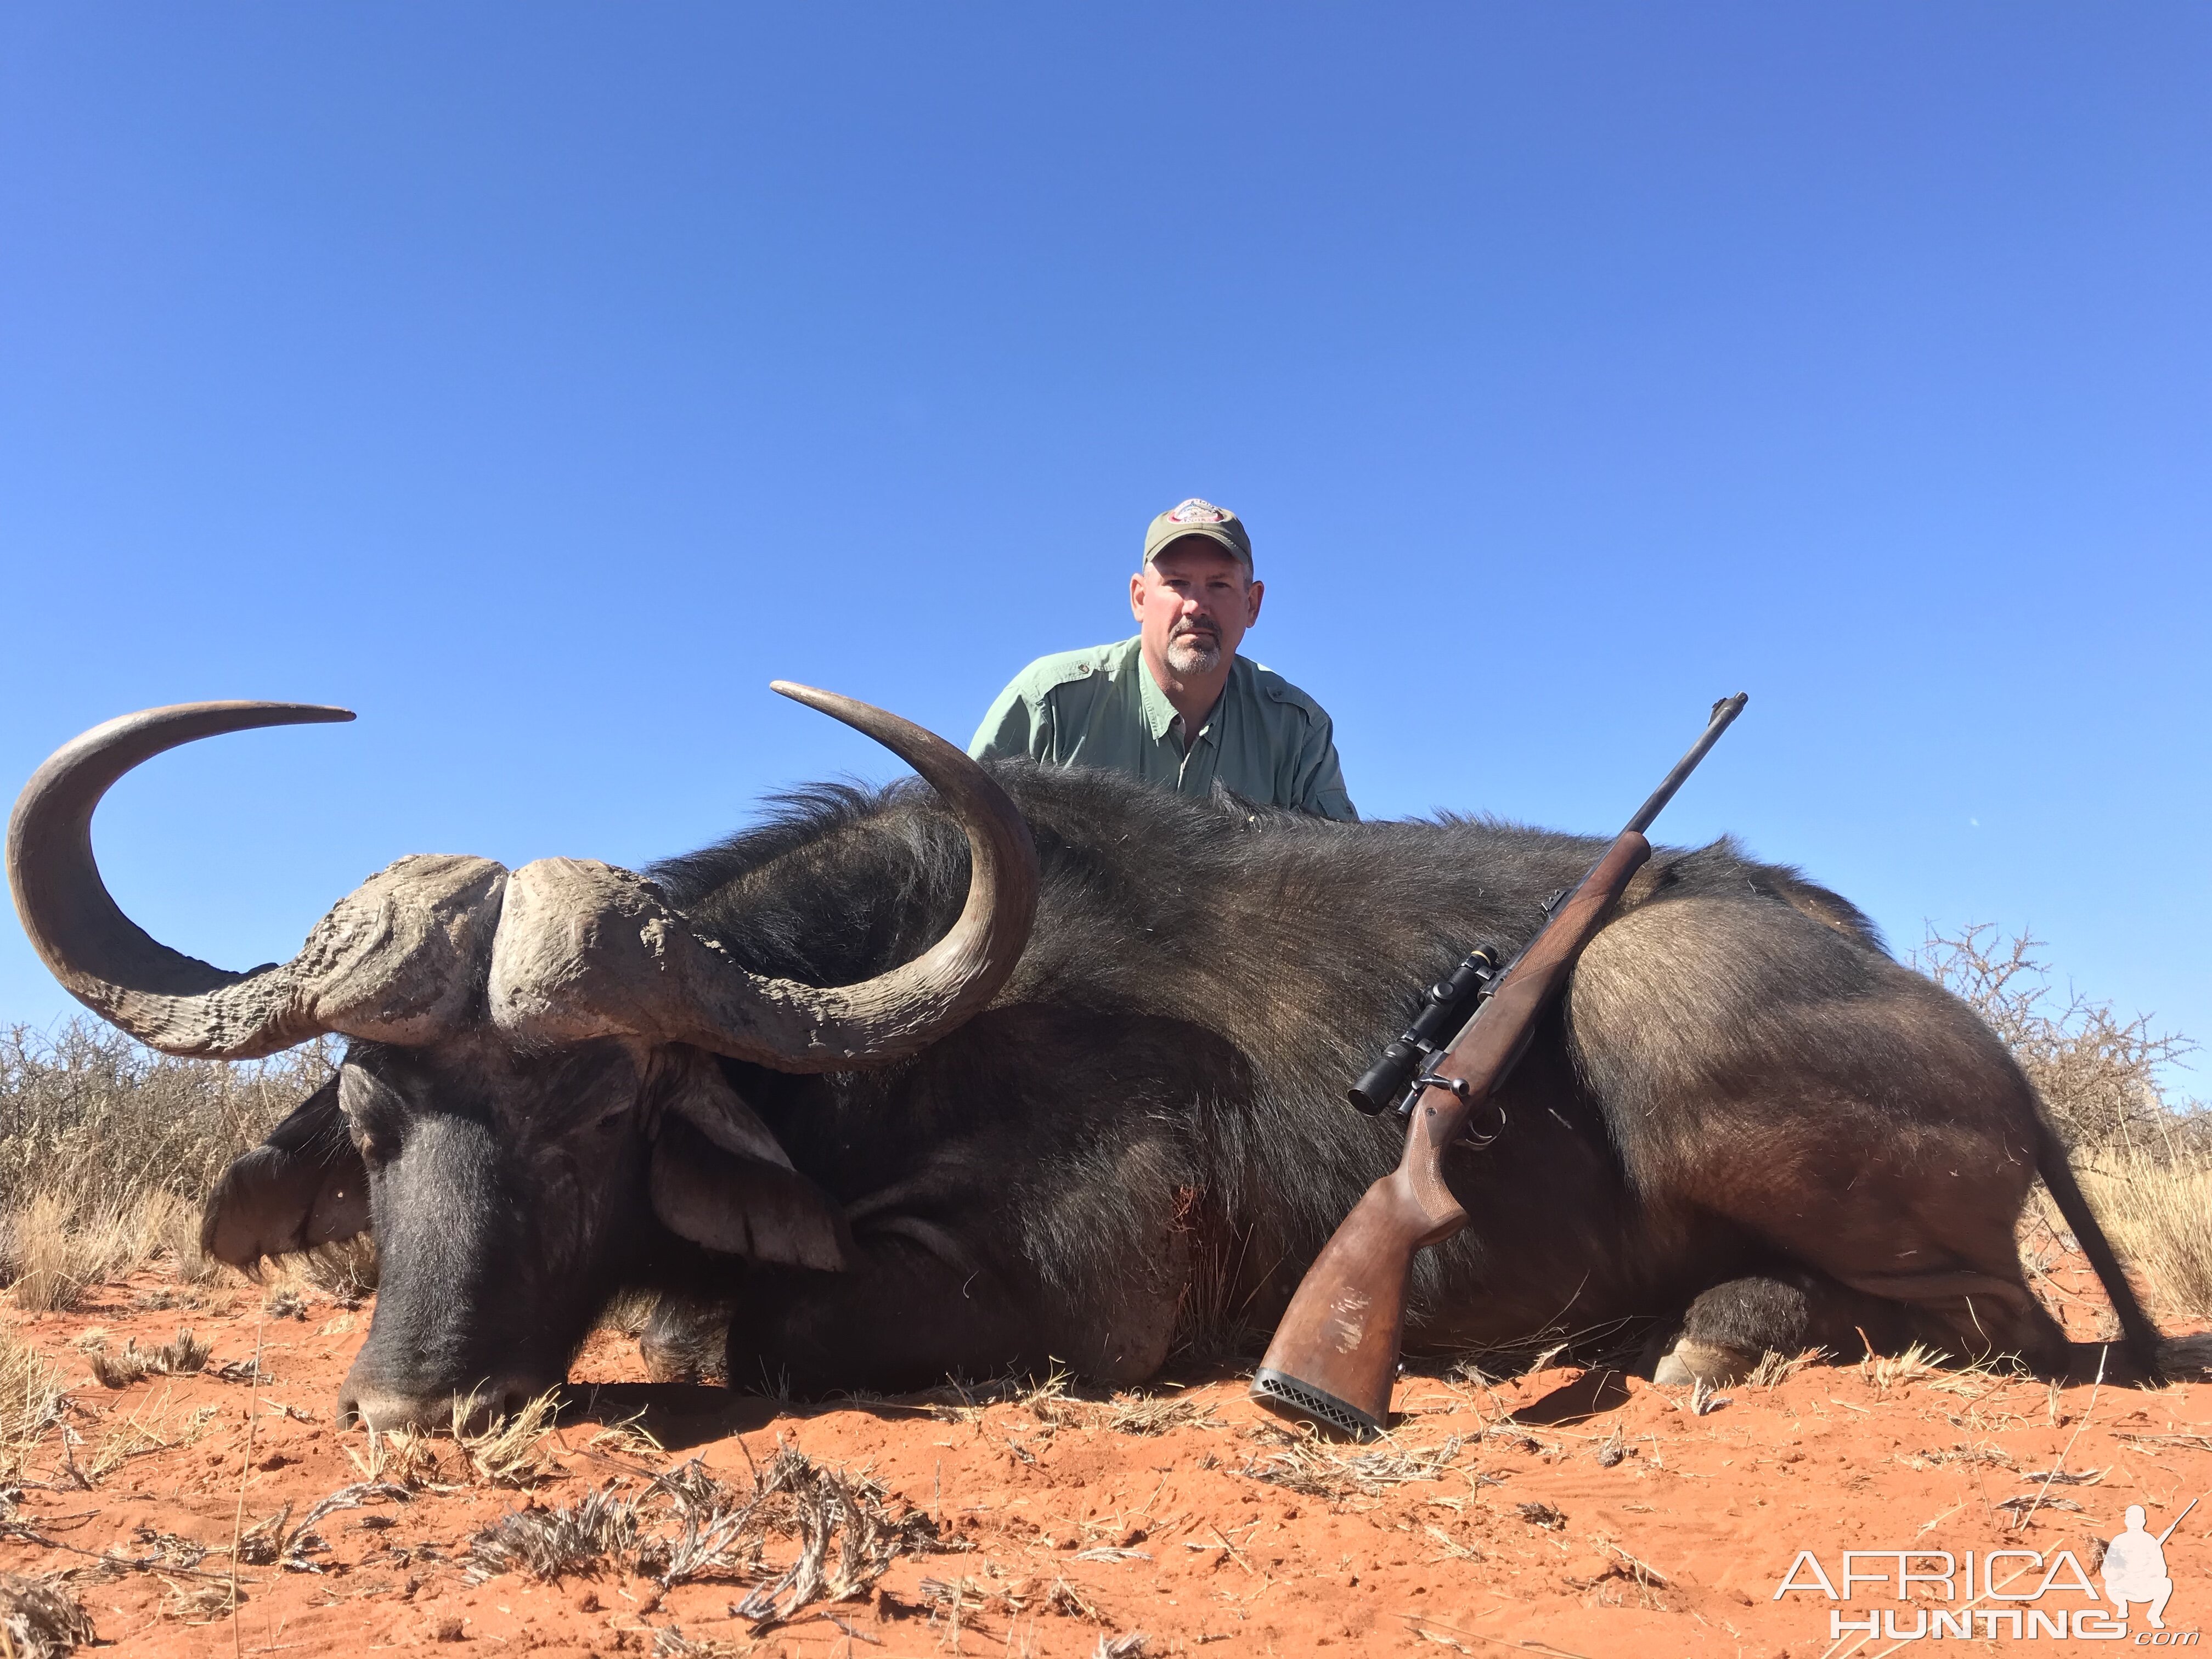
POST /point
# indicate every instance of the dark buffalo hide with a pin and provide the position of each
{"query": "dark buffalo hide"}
(1744, 1115)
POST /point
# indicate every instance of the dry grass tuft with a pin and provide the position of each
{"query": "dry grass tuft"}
(1054, 1401)
(1311, 1466)
(106, 1150)
(2159, 1212)
(90, 1114)
(166, 1228)
(157, 1425)
(202, 1601)
(399, 1457)
(629, 1437)
(670, 1642)
(2144, 1159)
(1774, 1369)
(690, 1524)
(183, 1355)
(955, 1400)
(800, 1498)
(346, 1271)
(260, 1544)
(1150, 1414)
(53, 1248)
(1981, 1379)
(277, 1540)
(119, 1371)
(39, 1620)
(576, 1540)
(1916, 1364)
(504, 1451)
(953, 1600)
(31, 1400)
(283, 1302)
(52, 1259)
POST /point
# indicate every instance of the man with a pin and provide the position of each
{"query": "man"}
(1176, 706)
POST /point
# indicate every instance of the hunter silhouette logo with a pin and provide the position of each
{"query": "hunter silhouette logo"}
(2135, 1567)
(2003, 1594)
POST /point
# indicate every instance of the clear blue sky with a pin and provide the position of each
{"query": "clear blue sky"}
(541, 381)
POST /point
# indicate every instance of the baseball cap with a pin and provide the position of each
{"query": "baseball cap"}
(1197, 518)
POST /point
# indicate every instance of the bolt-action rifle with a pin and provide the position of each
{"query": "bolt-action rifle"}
(1335, 1353)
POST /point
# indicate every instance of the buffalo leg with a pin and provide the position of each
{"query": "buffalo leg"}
(1876, 1132)
(1732, 1326)
(683, 1339)
(920, 1303)
(1965, 1315)
(1953, 1268)
(1976, 1316)
(899, 1318)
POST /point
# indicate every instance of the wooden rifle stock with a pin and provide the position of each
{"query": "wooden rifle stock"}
(1335, 1356)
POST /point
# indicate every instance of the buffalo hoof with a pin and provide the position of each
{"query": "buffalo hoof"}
(1689, 1363)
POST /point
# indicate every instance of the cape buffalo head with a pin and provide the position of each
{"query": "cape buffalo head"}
(528, 1106)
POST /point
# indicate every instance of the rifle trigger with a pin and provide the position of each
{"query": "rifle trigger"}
(1468, 1137)
(1458, 1088)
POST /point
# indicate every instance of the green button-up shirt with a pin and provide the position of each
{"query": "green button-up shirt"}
(1266, 740)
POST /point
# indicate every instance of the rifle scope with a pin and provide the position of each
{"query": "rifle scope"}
(1445, 1006)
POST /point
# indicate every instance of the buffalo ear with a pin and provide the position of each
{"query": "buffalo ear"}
(744, 1205)
(694, 1089)
(304, 1185)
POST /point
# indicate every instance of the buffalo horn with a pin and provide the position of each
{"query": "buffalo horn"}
(588, 950)
(397, 960)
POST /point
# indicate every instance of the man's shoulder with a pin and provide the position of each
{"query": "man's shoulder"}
(1048, 674)
(1272, 687)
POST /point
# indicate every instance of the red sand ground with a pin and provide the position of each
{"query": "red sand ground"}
(1674, 1545)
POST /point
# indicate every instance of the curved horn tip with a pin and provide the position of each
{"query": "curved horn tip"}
(310, 713)
(306, 714)
(863, 717)
(210, 720)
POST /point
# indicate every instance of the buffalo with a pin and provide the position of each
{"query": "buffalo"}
(1016, 1068)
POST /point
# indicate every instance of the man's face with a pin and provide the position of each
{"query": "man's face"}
(1193, 603)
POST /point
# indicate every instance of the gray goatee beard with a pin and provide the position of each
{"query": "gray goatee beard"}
(1195, 653)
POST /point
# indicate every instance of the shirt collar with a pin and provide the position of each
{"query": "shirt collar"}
(1160, 713)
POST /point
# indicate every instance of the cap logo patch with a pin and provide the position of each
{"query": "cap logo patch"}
(1195, 511)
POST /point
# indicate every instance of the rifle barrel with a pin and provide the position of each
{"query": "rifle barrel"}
(2177, 1519)
(1724, 712)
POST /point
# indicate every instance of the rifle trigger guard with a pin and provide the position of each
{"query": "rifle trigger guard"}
(1457, 1087)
